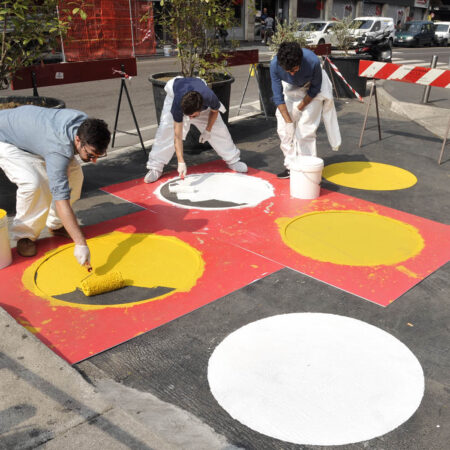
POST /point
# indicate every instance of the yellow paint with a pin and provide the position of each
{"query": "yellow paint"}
(370, 176)
(2, 213)
(352, 238)
(34, 330)
(407, 272)
(144, 260)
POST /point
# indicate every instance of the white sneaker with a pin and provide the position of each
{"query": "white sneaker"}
(335, 149)
(152, 176)
(238, 166)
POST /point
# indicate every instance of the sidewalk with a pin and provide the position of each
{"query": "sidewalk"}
(46, 403)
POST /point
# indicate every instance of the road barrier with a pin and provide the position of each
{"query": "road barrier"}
(425, 76)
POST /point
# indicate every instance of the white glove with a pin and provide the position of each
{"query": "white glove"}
(295, 116)
(82, 254)
(290, 132)
(205, 136)
(182, 169)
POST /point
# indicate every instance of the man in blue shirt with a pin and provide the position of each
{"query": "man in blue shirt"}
(190, 101)
(302, 92)
(37, 153)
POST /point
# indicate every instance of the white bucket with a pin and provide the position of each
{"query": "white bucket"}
(305, 177)
(167, 50)
(5, 249)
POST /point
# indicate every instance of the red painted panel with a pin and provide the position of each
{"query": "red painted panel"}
(74, 72)
(255, 229)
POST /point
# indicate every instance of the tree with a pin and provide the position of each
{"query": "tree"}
(28, 30)
(192, 26)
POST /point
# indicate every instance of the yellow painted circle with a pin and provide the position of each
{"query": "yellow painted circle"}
(352, 238)
(2, 213)
(146, 262)
(370, 176)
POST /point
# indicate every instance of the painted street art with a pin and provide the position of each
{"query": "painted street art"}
(369, 175)
(170, 268)
(316, 379)
(342, 246)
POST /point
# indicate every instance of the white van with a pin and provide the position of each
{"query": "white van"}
(373, 26)
(442, 33)
(318, 32)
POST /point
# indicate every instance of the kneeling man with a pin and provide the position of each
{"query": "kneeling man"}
(190, 101)
(37, 153)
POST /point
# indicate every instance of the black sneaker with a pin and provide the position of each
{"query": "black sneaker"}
(285, 174)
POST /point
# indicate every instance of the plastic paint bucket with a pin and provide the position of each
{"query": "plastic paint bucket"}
(5, 249)
(305, 177)
(167, 50)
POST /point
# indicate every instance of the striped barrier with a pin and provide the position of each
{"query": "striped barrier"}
(407, 74)
(343, 79)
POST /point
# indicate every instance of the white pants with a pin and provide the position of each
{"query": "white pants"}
(164, 146)
(34, 205)
(308, 122)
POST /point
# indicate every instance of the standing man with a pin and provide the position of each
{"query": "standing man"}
(190, 101)
(37, 153)
(302, 93)
(262, 19)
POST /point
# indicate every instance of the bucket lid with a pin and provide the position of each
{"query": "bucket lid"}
(307, 163)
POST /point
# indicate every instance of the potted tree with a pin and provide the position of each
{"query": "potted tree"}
(192, 26)
(348, 64)
(29, 30)
(286, 32)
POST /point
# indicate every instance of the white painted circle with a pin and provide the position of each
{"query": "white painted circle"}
(236, 189)
(316, 379)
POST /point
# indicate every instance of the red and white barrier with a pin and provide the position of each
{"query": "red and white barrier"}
(333, 66)
(396, 72)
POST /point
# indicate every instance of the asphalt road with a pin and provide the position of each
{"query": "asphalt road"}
(99, 98)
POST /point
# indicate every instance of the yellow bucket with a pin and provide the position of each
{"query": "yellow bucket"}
(5, 248)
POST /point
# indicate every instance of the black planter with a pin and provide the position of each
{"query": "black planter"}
(265, 88)
(221, 88)
(8, 189)
(349, 68)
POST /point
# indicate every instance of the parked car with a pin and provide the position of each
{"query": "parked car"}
(442, 33)
(372, 26)
(319, 32)
(415, 33)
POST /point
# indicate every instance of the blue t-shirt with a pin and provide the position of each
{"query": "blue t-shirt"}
(182, 86)
(46, 132)
(310, 70)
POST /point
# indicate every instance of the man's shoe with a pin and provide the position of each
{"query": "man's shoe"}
(26, 247)
(152, 176)
(238, 166)
(60, 232)
(285, 174)
(336, 149)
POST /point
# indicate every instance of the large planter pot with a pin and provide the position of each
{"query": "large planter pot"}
(19, 100)
(265, 88)
(221, 88)
(8, 189)
(348, 66)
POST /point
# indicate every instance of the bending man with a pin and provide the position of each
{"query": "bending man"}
(302, 92)
(37, 153)
(190, 101)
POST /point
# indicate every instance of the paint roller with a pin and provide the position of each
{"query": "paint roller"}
(100, 284)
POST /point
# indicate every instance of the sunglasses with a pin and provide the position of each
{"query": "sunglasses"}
(92, 155)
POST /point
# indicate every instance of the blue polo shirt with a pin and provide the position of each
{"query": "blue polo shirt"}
(310, 70)
(182, 86)
(46, 132)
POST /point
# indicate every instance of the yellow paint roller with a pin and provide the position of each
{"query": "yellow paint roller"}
(99, 284)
